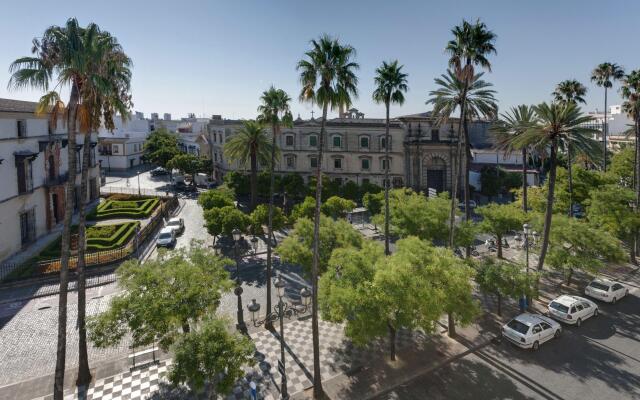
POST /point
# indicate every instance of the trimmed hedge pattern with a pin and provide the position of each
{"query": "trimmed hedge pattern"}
(136, 209)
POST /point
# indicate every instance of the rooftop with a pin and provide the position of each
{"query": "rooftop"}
(9, 105)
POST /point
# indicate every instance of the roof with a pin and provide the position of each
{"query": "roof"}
(566, 300)
(528, 319)
(9, 105)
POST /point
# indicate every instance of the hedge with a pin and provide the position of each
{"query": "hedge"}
(135, 209)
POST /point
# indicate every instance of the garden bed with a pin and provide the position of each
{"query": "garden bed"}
(134, 209)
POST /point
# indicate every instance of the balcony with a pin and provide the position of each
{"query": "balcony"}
(58, 180)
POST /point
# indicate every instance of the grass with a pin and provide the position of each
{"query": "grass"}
(134, 209)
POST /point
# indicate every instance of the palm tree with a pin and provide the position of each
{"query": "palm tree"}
(327, 75)
(470, 47)
(570, 91)
(275, 111)
(478, 100)
(80, 59)
(250, 145)
(556, 123)
(631, 94)
(604, 75)
(391, 83)
(511, 125)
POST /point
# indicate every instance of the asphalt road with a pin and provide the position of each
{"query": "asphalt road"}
(599, 360)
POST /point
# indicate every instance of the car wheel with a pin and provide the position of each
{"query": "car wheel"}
(536, 346)
(579, 322)
(613, 301)
(596, 312)
(626, 292)
(557, 334)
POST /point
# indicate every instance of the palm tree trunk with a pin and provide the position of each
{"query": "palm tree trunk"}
(467, 187)
(254, 179)
(84, 374)
(549, 211)
(570, 176)
(605, 128)
(386, 185)
(58, 385)
(274, 128)
(499, 244)
(457, 164)
(318, 392)
(524, 179)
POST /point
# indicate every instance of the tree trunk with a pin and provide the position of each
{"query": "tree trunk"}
(254, 179)
(386, 184)
(185, 327)
(549, 211)
(467, 187)
(499, 244)
(499, 296)
(524, 179)
(605, 128)
(392, 342)
(452, 325)
(632, 252)
(318, 392)
(570, 176)
(274, 129)
(456, 172)
(84, 374)
(569, 276)
(58, 385)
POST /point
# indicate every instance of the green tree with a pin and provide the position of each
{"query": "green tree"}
(557, 122)
(505, 279)
(327, 75)
(304, 209)
(161, 146)
(630, 92)
(373, 202)
(293, 184)
(250, 145)
(375, 296)
(472, 43)
(216, 198)
(610, 208)
(238, 182)
(93, 66)
(297, 247)
(213, 354)
(390, 86)
(576, 245)
(186, 163)
(622, 166)
(163, 298)
(511, 125)
(604, 75)
(337, 207)
(499, 219)
(260, 218)
(222, 221)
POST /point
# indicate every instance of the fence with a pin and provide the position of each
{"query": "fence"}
(135, 191)
(98, 258)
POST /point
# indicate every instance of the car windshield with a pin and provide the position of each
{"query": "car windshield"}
(600, 286)
(559, 307)
(518, 326)
(165, 235)
(173, 223)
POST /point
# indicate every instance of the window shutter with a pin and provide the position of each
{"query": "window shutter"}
(22, 184)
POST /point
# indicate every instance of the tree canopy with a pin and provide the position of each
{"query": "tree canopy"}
(337, 207)
(216, 198)
(222, 221)
(161, 146)
(499, 219)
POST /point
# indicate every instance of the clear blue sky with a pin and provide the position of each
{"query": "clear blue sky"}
(216, 57)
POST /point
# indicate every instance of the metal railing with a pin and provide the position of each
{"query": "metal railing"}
(56, 180)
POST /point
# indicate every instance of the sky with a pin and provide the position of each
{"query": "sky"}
(217, 57)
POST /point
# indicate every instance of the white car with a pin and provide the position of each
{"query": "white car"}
(166, 237)
(606, 290)
(572, 309)
(529, 331)
(177, 224)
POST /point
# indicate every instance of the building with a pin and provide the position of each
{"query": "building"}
(123, 148)
(34, 171)
(618, 126)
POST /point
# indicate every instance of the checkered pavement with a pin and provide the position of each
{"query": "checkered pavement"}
(337, 355)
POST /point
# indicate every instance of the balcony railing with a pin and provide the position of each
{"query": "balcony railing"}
(56, 180)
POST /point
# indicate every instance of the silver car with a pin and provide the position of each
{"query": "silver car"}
(572, 309)
(606, 290)
(166, 237)
(529, 331)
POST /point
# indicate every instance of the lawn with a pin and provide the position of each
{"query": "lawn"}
(134, 209)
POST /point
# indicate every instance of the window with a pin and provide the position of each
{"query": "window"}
(114, 149)
(313, 141)
(337, 163)
(579, 307)
(28, 226)
(586, 306)
(93, 189)
(337, 141)
(537, 329)
(78, 161)
(435, 135)
(364, 164)
(545, 326)
(291, 161)
(364, 142)
(383, 143)
(22, 128)
(288, 140)
(338, 181)
(385, 163)
(365, 181)
(25, 175)
(92, 157)
(220, 135)
(313, 162)
(215, 156)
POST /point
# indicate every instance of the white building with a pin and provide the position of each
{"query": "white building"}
(124, 147)
(33, 172)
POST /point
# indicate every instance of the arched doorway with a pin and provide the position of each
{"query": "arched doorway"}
(435, 173)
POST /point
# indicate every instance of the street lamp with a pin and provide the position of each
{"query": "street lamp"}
(138, 182)
(238, 290)
(281, 311)
(254, 245)
(527, 230)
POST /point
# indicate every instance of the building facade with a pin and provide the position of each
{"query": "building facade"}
(123, 148)
(34, 172)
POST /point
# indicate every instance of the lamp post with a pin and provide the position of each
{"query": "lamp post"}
(238, 290)
(527, 230)
(281, 311)
(254, 245)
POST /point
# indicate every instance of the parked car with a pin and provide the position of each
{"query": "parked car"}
(529, 331)
(572, 309)
(472, 204)
(159, 171)
(177, 224)
(166, 237)
(202, 180)
(180, 186)
(606, 290)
